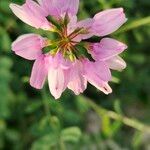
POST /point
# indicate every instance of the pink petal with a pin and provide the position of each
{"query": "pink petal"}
(36, 9)
(77, 82)
(116, 63)
(107, 48)
(28, 46)
(69, 6)
(39, 73)
(98, 74)
(104, 87)
(78, 85)
(86, 25)
(97, 70)
(59, 8)
(72, 24)
(108, 21)
(57, 80)
(31, 13)
(59, 61)
(50, 7)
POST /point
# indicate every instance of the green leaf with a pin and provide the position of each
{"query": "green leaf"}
(4, 6)
(106, 126)
(71, 134)
(137, 139)
(82, 104)
(47, 142)
(117, 107)
(33, 106)
(5, 41)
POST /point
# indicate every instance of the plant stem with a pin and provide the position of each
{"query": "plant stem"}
(134, 24)
(45, 103)
(113, 115)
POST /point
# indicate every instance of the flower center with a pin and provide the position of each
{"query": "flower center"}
(65, 43)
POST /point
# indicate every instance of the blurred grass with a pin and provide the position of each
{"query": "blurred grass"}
(31, 119)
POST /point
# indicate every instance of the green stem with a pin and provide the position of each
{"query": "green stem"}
(134, 24)
(45, 103)
(62, 145)
(113, 115)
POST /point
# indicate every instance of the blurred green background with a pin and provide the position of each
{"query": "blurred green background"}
(31, 119)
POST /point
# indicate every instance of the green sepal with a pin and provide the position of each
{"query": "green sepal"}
(82, 51)
(54, 22)
(49, 48)
(66, 19)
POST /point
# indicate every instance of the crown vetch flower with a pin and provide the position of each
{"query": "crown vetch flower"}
(70, 61)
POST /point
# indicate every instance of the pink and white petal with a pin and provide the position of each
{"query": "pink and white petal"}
(28, 46)
(39, 73)
(94, 79)
(98, 83)
(108, 21)
(50, 7)
(77, 82)
(59, 61)
(36, 9)
(116, 63)
(102, 86)
(27, 13)
(86, 25)
(38, 14)
(107, 48)
(20, 13)
(57, 80)
(69, 6)
(58, 8)
(72, 24)
(78, 85)
(97, 70)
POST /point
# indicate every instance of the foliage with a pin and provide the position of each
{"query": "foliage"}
(31, 119)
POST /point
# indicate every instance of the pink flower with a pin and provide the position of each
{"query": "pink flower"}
(70, 61)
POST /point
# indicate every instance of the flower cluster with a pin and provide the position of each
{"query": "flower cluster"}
(69, 61)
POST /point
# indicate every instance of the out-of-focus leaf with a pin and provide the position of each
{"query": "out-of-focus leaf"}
(82, 104)
(71, 134)
(47, 142)
(115, 79)
(137, 140)
(4, 6)
(33, 106)
(5, 41)
(106, 126)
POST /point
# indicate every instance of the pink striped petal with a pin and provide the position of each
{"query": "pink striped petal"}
(97, 70)
(78, 85)
(72, 24)
(57, 80)
(51, 7)
(86, 25)
(98, 75)
(31, 13)
(107, 48)
(69, 6)
(28, 46)
(39, 73)
(108, 21)
(102, 86)
(116, 63)
(77, 82)
(59, 61)
(59, 8)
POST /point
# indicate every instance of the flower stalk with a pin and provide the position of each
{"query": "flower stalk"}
(133, 123)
